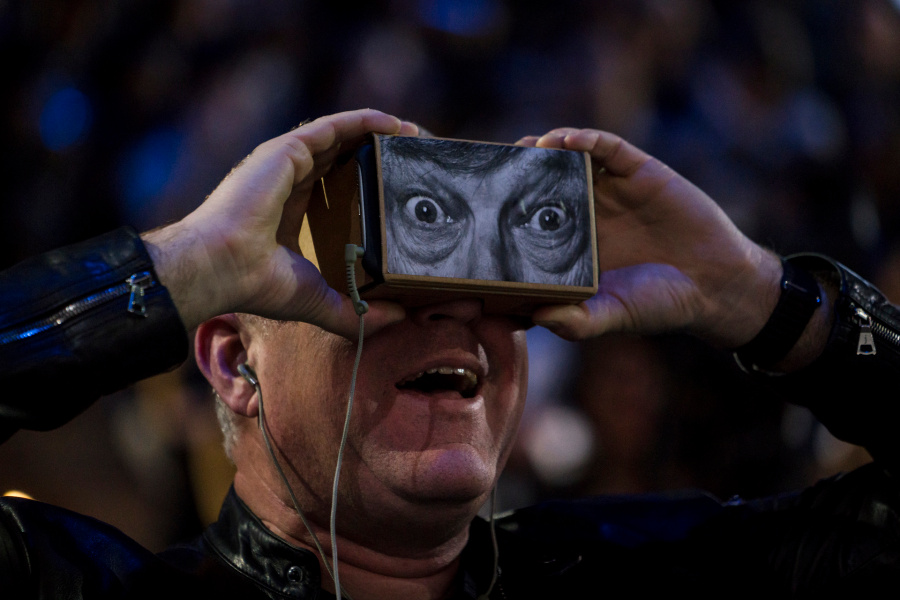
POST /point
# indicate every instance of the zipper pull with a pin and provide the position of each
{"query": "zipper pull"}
(137, 284)
(866, 344)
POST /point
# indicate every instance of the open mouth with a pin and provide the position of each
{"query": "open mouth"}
(454, 379)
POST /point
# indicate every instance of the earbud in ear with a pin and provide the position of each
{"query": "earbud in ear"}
(249, 374)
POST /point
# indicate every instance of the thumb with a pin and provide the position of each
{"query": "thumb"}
(647, 299)
(577, 321)
(337, 314)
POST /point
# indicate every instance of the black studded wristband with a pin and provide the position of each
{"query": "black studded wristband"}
(800, 297)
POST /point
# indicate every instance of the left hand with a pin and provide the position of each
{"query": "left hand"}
(670, 259)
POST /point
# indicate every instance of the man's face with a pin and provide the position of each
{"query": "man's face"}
(437, 405)
(481, 211)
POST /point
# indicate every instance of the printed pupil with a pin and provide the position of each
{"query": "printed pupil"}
(426, 211)
(549, 219)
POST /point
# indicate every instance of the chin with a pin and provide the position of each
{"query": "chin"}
(454, 473)
(433, 494)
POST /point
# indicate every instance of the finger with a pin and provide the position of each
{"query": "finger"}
(305, 145)
(555, 138)
(409, 128)
(611, 152)
(315, 147)
(318, 140)
(529, 141)
(324, 160)
(327, 132)
(288, 232)
(562, 131)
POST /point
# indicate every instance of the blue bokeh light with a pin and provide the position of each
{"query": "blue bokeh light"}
(461, 17)
(146, 170)
(65, 119)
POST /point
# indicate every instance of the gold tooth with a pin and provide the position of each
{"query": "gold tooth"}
(473, 379)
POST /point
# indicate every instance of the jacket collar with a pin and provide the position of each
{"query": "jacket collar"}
(244, 543)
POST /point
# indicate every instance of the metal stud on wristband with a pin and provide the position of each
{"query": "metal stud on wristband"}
(800, 297)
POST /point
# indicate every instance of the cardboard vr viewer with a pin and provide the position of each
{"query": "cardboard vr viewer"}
(445, 219)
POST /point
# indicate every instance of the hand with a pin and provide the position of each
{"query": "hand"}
(239, 252)
(670, 259)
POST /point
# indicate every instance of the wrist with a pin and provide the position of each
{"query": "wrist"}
(798, 300)
(753, 290)
(183, 266)
(798, 327)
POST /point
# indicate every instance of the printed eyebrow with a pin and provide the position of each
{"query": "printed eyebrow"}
(450, 155)
(562, 189)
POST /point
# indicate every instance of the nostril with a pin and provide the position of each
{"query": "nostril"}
(462, 310)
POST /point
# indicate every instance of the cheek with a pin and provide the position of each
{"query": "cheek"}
(304, 440)
(504, 409)
(304, 385)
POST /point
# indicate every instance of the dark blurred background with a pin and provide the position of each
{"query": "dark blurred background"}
(786, 112)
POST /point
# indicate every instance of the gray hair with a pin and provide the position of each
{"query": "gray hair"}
(226, 417)
(228, 425)
(228, 422)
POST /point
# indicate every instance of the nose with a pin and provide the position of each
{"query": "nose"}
(464, 311)
(491, 255)
(484, 262)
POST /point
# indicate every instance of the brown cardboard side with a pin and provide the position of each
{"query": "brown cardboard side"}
(334, 220)
(593, 217)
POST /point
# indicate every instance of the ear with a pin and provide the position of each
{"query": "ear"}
(220, 346)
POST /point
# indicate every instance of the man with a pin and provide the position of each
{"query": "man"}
(423, 456)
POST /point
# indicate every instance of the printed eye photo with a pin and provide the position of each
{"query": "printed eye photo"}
(486, 211)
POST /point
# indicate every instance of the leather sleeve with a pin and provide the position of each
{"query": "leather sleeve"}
(15, 568)
(67, 335)
(844, 386)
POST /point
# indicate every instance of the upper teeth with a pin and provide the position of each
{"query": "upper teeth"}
(446, 371)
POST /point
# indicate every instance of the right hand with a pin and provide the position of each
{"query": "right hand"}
(239, 252)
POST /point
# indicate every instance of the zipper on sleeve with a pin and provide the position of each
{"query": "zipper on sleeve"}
(865, 345)
(871, 330)
(136, 286)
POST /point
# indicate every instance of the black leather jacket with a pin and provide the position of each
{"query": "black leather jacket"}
(840, 536)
